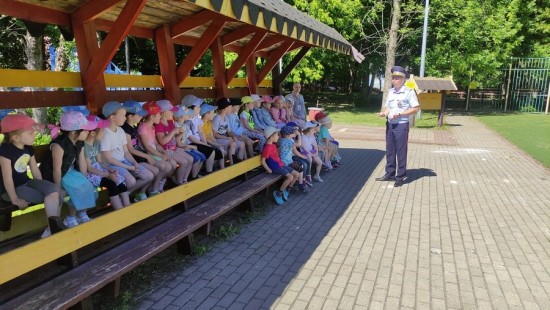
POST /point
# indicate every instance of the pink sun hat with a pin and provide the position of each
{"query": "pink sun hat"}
(74, 120)
(101, 123)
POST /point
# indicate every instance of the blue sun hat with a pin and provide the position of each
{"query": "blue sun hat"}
(134, 107)
(205, 108)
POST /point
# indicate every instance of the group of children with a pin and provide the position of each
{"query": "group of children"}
(136, 148)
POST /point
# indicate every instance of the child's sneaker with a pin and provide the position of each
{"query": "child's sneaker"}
(140, 197)
(82, 218)
(153, 193)
(278, 197)
(285, 194)
(46, 233)
(318, 179)
(70, 221)
(303, 187)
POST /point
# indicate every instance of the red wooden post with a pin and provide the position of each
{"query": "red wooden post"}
(167, 64)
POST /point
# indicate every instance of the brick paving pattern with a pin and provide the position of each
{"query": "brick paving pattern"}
(469, 230)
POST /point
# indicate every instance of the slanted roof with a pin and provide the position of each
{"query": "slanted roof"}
(278, 17)
(433, 83)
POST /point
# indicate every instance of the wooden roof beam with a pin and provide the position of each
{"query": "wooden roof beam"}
(92, 9)
(207, 38)
(269, 42)
(120, 29)
(274, 57)
(136, 31)
(185, 40)
(293, 63)
(244, 55)
(193, 21)
(34, 13)
(238, 34)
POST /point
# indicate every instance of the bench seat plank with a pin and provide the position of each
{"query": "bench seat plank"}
(79, 283)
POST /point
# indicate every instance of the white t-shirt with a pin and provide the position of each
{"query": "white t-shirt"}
(308, 143)
(114, 141)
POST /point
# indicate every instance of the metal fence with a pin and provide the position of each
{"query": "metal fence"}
(527, 84)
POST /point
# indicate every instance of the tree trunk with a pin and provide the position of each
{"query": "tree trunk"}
(34, 50)
(391, 47)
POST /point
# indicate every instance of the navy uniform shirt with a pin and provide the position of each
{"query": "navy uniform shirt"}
(399, 102)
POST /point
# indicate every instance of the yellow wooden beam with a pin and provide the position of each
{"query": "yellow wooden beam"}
(58, 79)
(25, 259)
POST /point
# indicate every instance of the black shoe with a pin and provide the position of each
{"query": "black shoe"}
(385, 178)
(398, 183)
(56, 224)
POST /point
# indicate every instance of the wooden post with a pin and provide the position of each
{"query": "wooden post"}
(167, 64)
(251, 74)
(218, 66)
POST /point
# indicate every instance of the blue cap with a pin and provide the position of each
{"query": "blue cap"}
(293, 124)
(134, 107)
(287, 130)
(76, 108)
(183, 112)
(399, 71)
(111, 107)
(166, 105)
(205, 108)
(191, 100)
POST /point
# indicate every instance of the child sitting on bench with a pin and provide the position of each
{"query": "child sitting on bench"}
(272, 164)
(16, 154)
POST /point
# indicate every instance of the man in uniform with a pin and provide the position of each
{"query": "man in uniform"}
(401, 102)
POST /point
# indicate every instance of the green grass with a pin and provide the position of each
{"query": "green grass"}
(530, 132)
(355, 110)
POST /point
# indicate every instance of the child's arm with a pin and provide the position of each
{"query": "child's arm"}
(92, 170)
(266, 167)
(5, 165)
(82, 166)
(136, 152)
(36, 174)
(57, 161)
(164, 138)
(108, 158)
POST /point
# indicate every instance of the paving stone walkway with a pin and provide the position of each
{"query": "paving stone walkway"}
(469, 230)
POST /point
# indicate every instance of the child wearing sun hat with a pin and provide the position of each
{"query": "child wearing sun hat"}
(16, 154)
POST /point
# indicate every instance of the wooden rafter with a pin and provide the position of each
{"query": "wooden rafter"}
(185, 40)
(120, 29)
(269, 42)
(244, 55)
(238, 34)
(34, 13)
(136, 31)
(274, 57)
(192, 21)
(208, 37)
(92, 9)
(293, 63)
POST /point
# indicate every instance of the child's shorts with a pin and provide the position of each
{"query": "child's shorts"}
(197, 156)
(95, 179)
(284, 170)
(34, 191)
(122, 171)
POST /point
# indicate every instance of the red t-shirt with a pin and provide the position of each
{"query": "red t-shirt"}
(271, 155)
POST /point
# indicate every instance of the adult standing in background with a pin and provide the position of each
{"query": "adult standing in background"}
(299, 103)
(401, 102)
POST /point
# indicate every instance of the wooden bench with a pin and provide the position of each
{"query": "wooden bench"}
(78, 284)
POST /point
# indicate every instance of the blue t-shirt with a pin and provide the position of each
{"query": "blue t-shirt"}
(285, 146)
(235, 124)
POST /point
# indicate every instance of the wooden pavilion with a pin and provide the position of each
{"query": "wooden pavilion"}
(251, 28)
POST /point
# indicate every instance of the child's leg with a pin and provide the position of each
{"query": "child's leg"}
(295, 174)
(210, 162)
(185, 165)
(124, 195)
(143, 180)
(241, 146)
(158, 176)
(289, 178)
(318, 165)
(249, 145)
(52, 205)
(112, 188)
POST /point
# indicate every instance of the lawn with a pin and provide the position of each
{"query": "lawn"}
(355, 110)
(530, 132)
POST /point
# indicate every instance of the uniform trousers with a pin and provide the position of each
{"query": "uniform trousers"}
(397, 139)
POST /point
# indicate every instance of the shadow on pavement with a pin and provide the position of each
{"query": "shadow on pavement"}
(415, 174)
